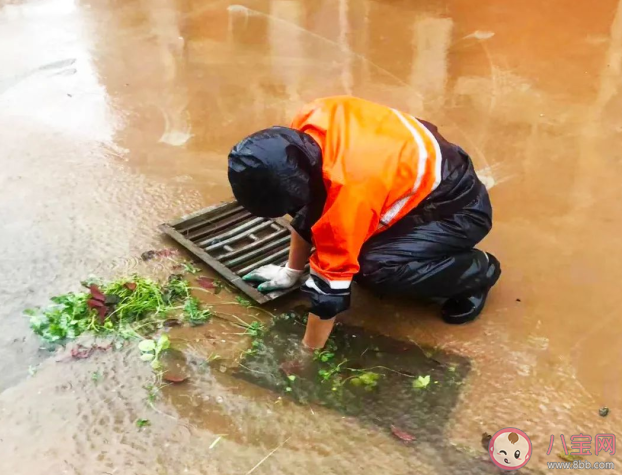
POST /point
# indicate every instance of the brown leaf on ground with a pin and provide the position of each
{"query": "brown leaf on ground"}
(130, 286)
(96, 293)
(102, 311)
(93, 303)
(81, 352)
(402, 435)
(206, 282)
(174, 378)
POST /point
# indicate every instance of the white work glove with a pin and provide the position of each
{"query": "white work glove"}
(274, 277)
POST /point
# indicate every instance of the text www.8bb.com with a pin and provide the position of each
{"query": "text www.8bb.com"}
(581, 464)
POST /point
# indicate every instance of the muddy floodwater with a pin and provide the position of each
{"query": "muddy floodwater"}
(116, 116)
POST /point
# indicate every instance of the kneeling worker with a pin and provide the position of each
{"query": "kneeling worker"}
(382, 196)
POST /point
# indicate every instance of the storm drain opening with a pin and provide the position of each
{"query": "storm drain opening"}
(233, 242)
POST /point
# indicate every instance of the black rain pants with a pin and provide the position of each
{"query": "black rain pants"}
(429, 253)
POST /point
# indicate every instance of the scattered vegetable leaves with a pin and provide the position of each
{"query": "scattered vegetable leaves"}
(120, 308)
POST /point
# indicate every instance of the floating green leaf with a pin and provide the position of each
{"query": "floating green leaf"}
(163, 343)
(421, 382)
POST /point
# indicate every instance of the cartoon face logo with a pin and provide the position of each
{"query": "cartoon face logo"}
(510, 449)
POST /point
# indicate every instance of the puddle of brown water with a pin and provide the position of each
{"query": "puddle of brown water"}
(94, 159)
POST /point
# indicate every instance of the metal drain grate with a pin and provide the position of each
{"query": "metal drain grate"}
(233, 242)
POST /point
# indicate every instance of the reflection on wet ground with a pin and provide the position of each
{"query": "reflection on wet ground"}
(117, 116)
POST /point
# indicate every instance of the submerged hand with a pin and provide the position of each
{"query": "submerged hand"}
(274, 277)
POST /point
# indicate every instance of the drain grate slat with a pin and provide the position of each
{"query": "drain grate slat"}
(271, 259)
(257, 252)
(271, 237)
(233, 242)
(197, 223)
(230, 233)
(237, 237)
(212, 228)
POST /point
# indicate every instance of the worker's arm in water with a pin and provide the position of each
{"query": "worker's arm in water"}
(350, 215)
(276, 277)
(317, 331)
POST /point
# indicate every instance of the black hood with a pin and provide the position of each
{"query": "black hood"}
(276, 171)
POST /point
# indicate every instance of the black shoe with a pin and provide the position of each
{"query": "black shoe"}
(465, 309)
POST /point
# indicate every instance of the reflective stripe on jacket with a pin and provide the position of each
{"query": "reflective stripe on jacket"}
(378, 164)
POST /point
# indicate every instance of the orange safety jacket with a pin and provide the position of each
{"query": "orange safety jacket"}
(377, 164)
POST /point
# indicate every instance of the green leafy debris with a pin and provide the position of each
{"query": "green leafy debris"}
(190, 268)
(421, 382)
(140, 423)
(193, 313)
(151, 350)
(366, 379)
(125, 308)
(243, 302)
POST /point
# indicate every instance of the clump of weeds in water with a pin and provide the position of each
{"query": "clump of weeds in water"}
(193, 312)
(124, 308)
(335, 374)
(256, 331)
(365, 379)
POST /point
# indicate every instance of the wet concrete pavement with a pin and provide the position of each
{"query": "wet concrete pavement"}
(117, 116)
